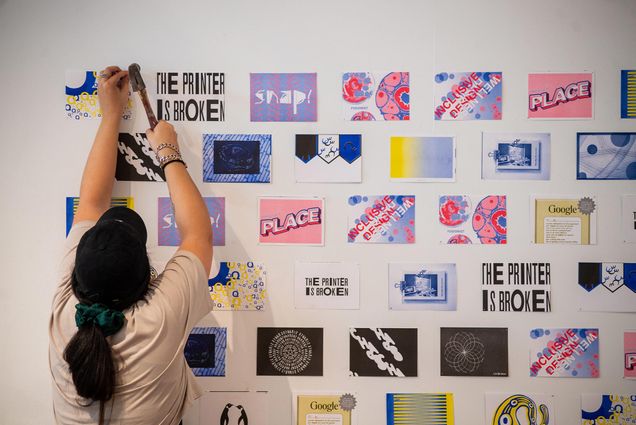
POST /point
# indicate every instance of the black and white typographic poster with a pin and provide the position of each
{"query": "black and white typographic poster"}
(383, 352)
(516, 287)
(474, 351)
(136, 160)
(327, 286)
(289, 351)
(234, 408)
(190, 96)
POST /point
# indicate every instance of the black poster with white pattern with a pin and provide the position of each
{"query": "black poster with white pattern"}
(474, 351)
(289, 351)
(383, 352)
(136, 160)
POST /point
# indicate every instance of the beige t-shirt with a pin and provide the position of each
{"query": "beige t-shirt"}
(155, 384)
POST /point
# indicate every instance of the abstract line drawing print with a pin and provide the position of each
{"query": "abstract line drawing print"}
(376, 96)
(468, 96)
(328, 158)
(81, 96)
(614, 409)
(289, 351)
(283, 97)
(237, 158)
(606, 156)
(239, 286)
(486, 223)
(205, 351)
(135, 159)
(519, 409)
(383, 352)
(419, 408)
(464, 352)
(72, 202)
(474, 351)
(628, 94)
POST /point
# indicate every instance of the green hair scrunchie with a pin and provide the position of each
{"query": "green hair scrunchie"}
(109, 321)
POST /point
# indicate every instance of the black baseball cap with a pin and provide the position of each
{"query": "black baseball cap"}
(111, 263)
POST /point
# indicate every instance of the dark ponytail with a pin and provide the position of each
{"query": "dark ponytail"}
(90, 360)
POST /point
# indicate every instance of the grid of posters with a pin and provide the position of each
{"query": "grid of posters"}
(422, 286)
(467, 219)
(564, 352)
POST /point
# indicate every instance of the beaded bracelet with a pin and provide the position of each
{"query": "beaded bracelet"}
(169, 146)
(163, 167)
(164, 160)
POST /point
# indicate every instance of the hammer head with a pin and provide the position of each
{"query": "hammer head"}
(136, 81)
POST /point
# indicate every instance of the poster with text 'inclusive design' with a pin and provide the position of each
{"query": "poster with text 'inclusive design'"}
(468, 96)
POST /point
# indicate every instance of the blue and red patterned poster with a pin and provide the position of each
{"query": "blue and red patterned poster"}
(564, 353)
(283, 97)
(473, 220)
(468, 96)
(380, 96)
(381, 219)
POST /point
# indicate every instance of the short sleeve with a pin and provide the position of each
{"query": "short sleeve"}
(67, 263)
(183, 287)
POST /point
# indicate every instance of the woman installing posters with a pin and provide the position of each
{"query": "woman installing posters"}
(116, 333)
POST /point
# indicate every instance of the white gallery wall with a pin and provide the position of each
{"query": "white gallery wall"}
(43, 153)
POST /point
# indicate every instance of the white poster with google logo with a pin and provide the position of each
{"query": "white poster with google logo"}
(569, 220)
(325, 408)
